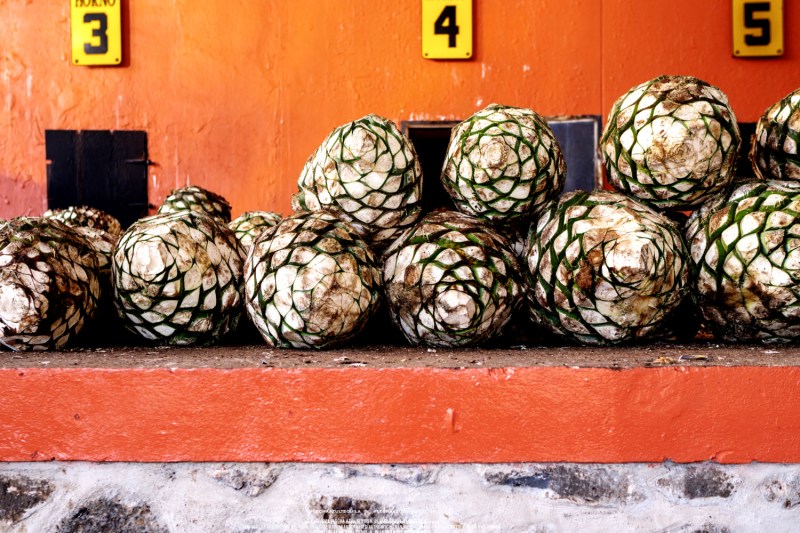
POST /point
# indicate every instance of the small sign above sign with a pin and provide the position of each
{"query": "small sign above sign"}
(447, 29)
(96, 32)
(757, 28)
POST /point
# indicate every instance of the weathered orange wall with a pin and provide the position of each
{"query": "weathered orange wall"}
(642, 40)
(235, 95)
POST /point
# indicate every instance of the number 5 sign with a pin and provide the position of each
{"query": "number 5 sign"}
(96, 32)
(757, 28)
(447, 29)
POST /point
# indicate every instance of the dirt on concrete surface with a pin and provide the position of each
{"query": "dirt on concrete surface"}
(393, 356)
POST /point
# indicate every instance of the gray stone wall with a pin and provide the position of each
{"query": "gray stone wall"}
(537, 498)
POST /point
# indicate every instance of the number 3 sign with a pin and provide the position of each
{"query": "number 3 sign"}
(757, 28)
(96, 32)
(447, 29)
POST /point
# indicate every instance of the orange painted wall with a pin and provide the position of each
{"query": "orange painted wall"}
(235, 95)
(642, 40)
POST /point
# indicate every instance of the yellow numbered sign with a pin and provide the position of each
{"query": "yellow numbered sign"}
(757, 28)
(447, 29)
(96, 32)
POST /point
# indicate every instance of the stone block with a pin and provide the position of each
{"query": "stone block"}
(251, 479)
(578, 483)
(105, 515)
(18, 494)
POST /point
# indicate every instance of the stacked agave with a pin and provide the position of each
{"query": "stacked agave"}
(671, 142)
(605, 269)
(503, 164)
(199, 200)
(774, 152)
(251, 224)
(177, 278)
(310, 282)
(451, 281)
(368, 172)
(746, 255)
(49, 284)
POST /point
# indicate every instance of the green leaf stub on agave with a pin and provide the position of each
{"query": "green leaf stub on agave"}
(605, 269)
(177, 278)
(451, 281)
(745, 250)
(671, 142)
(503, 164)
(310, 282)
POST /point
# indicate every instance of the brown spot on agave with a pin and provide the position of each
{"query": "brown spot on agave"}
(623, 285)
(86, 217)
(177, 278)
(366, 171)
(310, 282)
(742, 292)
(445, 286)
(775, 150)
(503, 164)
(671, 141)
(49, 284)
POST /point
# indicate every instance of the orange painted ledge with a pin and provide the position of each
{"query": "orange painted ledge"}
(402, 415)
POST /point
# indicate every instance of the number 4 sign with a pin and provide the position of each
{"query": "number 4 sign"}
(447, 29)
(757, 28)
(96, 32)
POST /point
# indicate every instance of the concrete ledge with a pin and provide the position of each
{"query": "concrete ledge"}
(698, 354)
(408, 414)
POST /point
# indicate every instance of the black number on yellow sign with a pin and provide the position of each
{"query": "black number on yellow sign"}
(99, 32)
(446, 25)
(764, 37)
